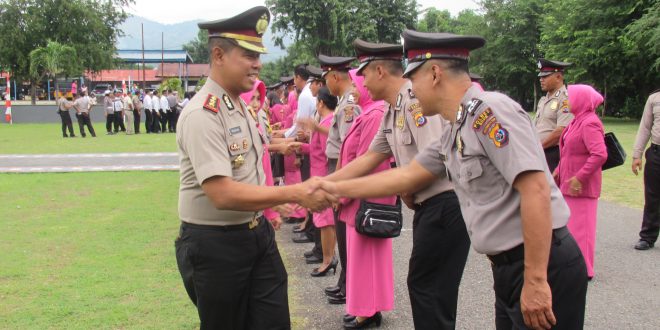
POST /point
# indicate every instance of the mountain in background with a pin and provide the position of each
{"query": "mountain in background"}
(175, 35)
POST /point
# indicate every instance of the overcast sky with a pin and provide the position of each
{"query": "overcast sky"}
(215, 9)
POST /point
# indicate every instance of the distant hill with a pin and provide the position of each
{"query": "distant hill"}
(175, 35)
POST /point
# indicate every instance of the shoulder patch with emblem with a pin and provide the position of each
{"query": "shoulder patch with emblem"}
(415, 107)
(211, 103)
(565, 107)
(491, 128)
(348, 114)
(417, 114)
(228, 102)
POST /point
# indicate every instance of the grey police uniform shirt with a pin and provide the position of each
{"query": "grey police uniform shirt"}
(484, 152)
(342, 120)
(552, 112)
(82, 104)
(405, 131)
(649, 126)
(216, 136)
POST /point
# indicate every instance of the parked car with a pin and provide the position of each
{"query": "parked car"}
(101, 88)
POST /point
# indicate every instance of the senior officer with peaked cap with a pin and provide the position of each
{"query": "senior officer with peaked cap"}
(553, 113)
(503, 183)
(440, 239)
(226, 251)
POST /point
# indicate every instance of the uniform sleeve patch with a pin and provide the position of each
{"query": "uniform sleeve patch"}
(415, 107)
(211, 103)
(565, 108)
(348, 114)
(487, 123)
(420, 120)
(228, 102)
(482, 118)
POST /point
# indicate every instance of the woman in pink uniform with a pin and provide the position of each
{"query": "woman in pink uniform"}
(370, 274)
(579, 176)
(291, 161)
(325, 106)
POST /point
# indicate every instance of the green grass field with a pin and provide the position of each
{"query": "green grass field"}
(47, 139)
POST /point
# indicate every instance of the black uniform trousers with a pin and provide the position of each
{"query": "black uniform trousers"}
(567, 277)
(109, 119)
(155, 121)
(163, 120)
(171, 117)
(83, 120)
(651, 219)
(440, 249)
(136, 121)
(119, 122)
(234, 275)
(552, 157)
(66, 123)
(147, 120)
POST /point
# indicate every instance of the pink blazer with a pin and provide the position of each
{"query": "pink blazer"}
(582, 154)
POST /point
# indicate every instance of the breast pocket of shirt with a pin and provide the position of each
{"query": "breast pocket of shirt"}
(483, 184)
(239, 147)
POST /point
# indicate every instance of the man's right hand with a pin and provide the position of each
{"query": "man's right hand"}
(315, 199)
(636, 165)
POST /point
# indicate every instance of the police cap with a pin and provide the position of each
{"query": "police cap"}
(246, 28)
(548, 67)
(315, 73)
(475, 77)
(286, 80)
(369, 51)
(419, 47)
(337, 63)
(274, 86)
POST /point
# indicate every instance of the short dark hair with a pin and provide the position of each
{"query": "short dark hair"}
(328, 99)
(456, 66)
(225, 44)
(301, 71)
(394, 68)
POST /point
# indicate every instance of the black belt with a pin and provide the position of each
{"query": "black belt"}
(655, 147)
(437, 198)
(244, 226)
(553, 148)
(518, 253)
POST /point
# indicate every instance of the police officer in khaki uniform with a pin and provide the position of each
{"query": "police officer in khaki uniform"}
(514, 212)
(649, 128)
(335, 73)
(440, 239)
(226, 252)
(553, 113)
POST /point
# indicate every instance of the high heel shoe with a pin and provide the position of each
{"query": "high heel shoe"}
(332, 265)
(366, 323)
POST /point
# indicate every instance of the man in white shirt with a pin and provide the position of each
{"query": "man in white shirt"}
(147, 105)
(118, 107)
(155, 113)
(306, 101)
(164, 110)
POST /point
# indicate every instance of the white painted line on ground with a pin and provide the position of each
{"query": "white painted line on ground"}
(103, 155)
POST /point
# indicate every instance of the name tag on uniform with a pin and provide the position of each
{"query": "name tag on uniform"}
(389, 130)
(235, 130)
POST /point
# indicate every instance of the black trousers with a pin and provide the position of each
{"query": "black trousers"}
(552, 157)
(171, 117)
(66, 123)
(440, 249)
(136, 121)
(109, 119)
(147, 120)
(155, 121)
(163, 120)
(567, 277)
(651, 219)
(83, 120)
(236, 278)
(119, 122)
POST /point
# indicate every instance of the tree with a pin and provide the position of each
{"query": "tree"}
(52, 61)
(329, 27)
(89, 26)
(198, 48)
(435, 21)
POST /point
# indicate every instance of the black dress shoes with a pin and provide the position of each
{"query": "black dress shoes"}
(309, 253)
(313, 260)
(301, 238)
(348, 318)
(376, 319)
(643, 245)
(337, 299)
(332, 290)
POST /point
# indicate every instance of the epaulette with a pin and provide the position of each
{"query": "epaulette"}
(211, 103)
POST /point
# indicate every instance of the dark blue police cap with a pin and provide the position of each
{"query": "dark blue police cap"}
(548, 67)
(369, 51)
(337, 63)
(246, 28)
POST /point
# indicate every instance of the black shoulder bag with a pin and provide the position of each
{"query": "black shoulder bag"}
(616, 155)
(379, 220)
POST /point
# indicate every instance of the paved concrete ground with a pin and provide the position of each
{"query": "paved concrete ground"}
(625, 293)
(153, 161)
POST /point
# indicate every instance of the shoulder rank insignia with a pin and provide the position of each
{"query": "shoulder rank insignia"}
(411, 94)
(558, 93)
(461, 114)
(350, 99)
(211, 103)
(228, 102)
(398, 102)
(473, 105)
(564, 107)
(400, 121)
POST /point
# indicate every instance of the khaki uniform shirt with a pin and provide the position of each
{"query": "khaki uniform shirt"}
(216, 136)
(649, 126)
(405, 131)
(342, 120)
(552, 112)
(488, 146)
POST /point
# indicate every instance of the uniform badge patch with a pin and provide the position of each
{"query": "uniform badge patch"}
(499, 135)
(386, 131)
(237, 162)
(234, 130)
(481, 119)
(564, 107)
(234, 147)
(228, 102)
(245, 144)
(398, 102)
(400, 121)
(420, 120)
(211, 103)
(348, 114)
(554, 105)
(414, 107)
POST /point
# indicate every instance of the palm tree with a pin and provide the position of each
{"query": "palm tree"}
(51, 61)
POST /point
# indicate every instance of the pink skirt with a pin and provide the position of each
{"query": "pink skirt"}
(324, 218)
(582, 225)
(369, 274)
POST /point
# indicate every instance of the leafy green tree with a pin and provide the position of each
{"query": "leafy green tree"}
(174, 84)
(198, 48)
(436, 21)
(52, 61)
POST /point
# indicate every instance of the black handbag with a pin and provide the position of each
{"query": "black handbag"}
(379, 220)
(277, 164)
(616, 155)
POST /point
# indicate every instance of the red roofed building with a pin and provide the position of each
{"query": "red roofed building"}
(194, 72)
